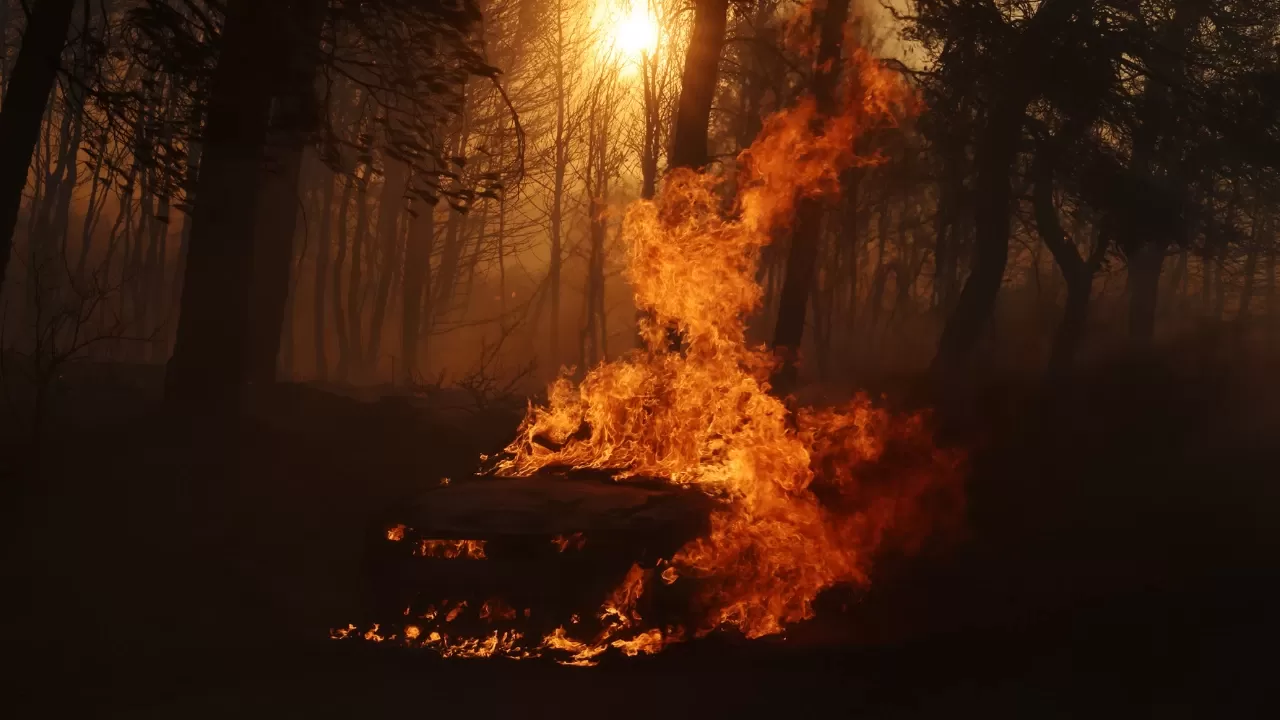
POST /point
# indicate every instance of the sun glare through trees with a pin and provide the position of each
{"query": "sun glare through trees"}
(627, 33)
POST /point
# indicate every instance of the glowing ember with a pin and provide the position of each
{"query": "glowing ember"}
(395, 533)
(456, 611)
(495, 609)
(451, 549)
(576, 541)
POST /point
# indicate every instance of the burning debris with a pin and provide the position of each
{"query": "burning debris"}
(789, 502)
(450, 549)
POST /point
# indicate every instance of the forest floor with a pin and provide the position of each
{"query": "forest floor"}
(1120, 558)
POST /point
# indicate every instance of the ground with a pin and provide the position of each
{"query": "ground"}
(1118, 558)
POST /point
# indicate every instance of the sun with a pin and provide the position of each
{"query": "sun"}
(635, 32)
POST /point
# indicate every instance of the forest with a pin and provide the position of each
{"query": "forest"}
(930, 297)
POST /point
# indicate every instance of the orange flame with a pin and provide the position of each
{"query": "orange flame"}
(704, 416)
(576, 541)
(451, 549)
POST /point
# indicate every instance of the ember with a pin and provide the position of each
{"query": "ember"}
(576, 541)
(450, 549)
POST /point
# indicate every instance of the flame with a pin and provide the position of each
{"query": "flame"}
(703, 415)
(495, 609)
(576, 541)
(648, 642)
(451, 549)
(498, 644)
(455, 612)
(395, 533)
(620, 607)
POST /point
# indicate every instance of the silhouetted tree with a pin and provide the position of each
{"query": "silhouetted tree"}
(25, 99)
(698, 84)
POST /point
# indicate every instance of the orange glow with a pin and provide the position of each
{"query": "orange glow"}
(450, 549)
(576, 541)
(634, 31)
(704, 416)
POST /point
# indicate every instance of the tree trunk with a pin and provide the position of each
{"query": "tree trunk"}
(1070, 333)
(294, 117)
(4, 47)
(184, 245)
(947, 232)
(417, 284)
(390, 208)
(339, 309)
(1246, 293)
(1076, 271)
(323, 242)
(698, 85)
(996, 152)
(355, 285)
(1144, 290)
(560, 165)
(214, 336)
(801, 261)
(651, 146)
(1272, 308)
(155, 297)
(1166, 64)
(1251, 265)
(22, 114)
(450, 262)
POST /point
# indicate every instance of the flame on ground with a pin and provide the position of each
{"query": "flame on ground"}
(576, 541)
(704, 416)
(452, 549)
